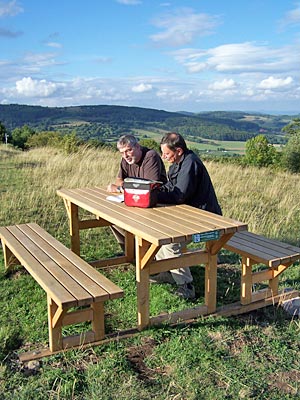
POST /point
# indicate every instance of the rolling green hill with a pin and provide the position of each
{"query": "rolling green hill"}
(103, 120)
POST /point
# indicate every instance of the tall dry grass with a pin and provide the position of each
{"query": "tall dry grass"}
(267, 200)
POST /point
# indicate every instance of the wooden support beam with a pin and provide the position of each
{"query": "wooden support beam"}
(246, 281)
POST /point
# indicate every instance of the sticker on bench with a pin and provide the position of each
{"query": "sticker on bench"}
(206, 236)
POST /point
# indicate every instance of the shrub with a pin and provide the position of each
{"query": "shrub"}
(260, 152)
(19, 136)
(43, 139)
(291, 154)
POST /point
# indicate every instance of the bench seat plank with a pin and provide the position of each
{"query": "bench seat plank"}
(72, 278)
(39, 273)
(281, 248)
(262, 250)
(112, 289)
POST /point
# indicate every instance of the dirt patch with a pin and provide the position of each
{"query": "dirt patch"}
(287, 382)
(136, 356)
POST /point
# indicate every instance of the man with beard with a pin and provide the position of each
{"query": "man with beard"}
(137, 162)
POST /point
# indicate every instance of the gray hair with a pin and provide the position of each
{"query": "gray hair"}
(127, 140)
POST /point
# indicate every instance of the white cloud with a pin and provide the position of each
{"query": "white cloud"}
(275, 83)
(182, 27)
(240, 58)
(225, 84)
(141, 88)
(168, 93)
(29, 87)
(10, 8)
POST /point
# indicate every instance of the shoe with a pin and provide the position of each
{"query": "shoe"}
(162, 277)
(186, 291)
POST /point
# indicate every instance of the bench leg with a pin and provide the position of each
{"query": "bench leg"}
(9, 258)
(273, 285)
(98, 320)
(246, 281)
(55, 333)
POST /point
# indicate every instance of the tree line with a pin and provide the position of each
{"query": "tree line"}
(259, 151)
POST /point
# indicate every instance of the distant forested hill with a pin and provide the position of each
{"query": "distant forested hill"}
(104, 120)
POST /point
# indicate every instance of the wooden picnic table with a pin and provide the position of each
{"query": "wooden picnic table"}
(147, 229)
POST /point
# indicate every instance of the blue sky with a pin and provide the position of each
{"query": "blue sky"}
(191, 55)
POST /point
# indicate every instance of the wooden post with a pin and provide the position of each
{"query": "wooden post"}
(273, 285)
(74, 229)
(98, 320)
(129, 246)
(246, 281)
(142, 283)
(55, 334)
(211, 280)
(9, 258)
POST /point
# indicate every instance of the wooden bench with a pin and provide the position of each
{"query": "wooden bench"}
(256, 249)
(69, 282)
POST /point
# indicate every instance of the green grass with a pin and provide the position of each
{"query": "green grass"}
(252, 356)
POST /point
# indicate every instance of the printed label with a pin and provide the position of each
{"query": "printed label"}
(206, 236)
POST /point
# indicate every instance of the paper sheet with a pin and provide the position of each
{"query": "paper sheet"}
(118, 199)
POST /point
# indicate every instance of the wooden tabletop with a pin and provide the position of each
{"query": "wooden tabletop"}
(159, 225)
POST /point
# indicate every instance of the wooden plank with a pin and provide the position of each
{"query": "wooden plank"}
(211, 282)
(45, 352)
(269, 248)
(77, 316)
(142, 283)
(237, 308)
(98, 321)
(277, 244)
(257, 255)
(94, 200)
(116, 215)
(92, 223)
(62, 278)
(246, 281)
(219, 220)
(55, 333)
(179, 316)
(54, 289)
(183, 223)
(270, 251)
(145, 216)
(76, 281)
(193, 257)
(112, 289)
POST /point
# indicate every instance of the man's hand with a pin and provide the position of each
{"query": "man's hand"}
(113, 188)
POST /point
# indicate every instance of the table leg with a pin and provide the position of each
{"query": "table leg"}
(74, 229)
(142, 283)
(211, 281)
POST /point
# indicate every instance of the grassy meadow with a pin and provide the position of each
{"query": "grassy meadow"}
(252, 356)
(209, 146)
